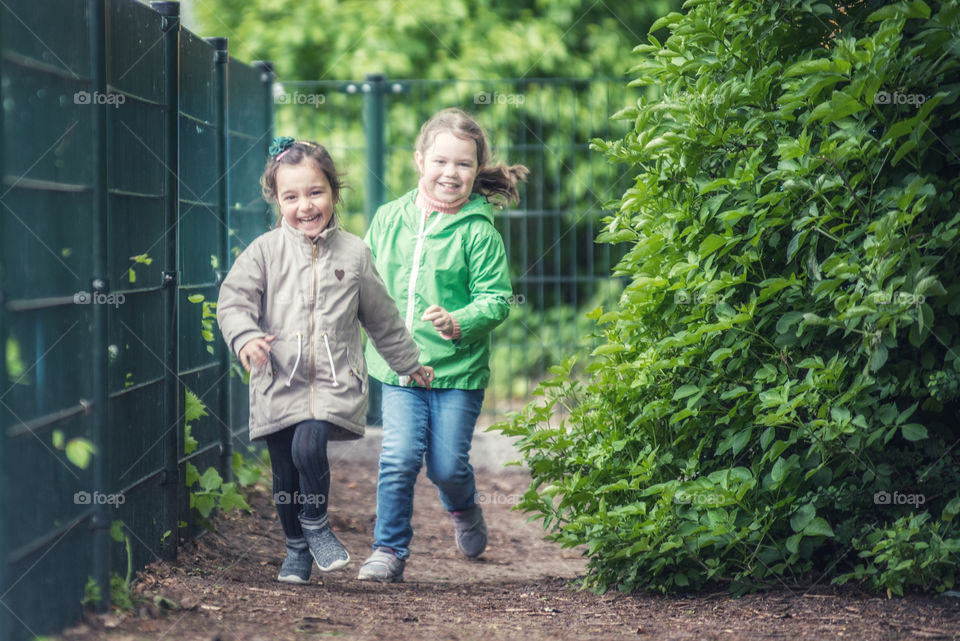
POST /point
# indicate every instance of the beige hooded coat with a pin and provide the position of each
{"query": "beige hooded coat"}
(313, 296)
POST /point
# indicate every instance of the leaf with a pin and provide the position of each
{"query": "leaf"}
(191, 474)
(684, 391)
(211, 480)
(204, 504)
(196, 298)
(806, 67)
(779, 470)
(802, 517)
(58, 439)
(193, 407)
(116, 531)
(914, 431)
(740, 441)
(736, 392)
(609, 348)
(793, 543)
(710, 244)
(912, 9)
(951, 509)
(232, 499)
(788, 320)
(878, 358)
(189, 443)
(818, 527)
(79, 451)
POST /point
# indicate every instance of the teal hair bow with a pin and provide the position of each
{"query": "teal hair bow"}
(280, 144)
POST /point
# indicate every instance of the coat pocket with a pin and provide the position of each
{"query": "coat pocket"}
(285, 361)
(358, 368)
(262, 378)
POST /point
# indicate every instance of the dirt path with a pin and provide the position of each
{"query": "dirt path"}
(225, 589)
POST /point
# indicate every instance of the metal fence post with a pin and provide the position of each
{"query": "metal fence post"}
(221, 58)
(171, 158)
(267, 76)
(99, 284)
(6, 631)
(373, 124)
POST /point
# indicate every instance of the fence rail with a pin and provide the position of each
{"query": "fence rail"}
(131, 154)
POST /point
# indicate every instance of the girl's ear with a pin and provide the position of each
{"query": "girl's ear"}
(418, 161)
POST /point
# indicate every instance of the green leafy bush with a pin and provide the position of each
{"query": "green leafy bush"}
(775, 399)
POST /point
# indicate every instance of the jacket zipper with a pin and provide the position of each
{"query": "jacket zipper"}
(415, 271)
(313, 360)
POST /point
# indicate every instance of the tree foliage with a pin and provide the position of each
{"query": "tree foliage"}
(776, 396)
(337, 39)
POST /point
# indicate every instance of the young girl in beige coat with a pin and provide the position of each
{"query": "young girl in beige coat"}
(291, 309)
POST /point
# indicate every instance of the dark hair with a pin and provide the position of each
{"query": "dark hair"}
(293, 155)
(498, 182)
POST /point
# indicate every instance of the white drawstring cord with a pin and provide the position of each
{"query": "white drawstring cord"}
(330, 357)
(297, 363)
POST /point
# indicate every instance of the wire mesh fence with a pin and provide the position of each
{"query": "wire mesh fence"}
(130, 169)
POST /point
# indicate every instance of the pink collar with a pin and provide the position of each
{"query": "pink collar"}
(425, 201)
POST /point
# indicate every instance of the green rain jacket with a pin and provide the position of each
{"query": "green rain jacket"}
(456, 261)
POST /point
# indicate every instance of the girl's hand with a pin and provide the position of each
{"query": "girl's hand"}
(256, 352)
(442, 319)
(423, 376)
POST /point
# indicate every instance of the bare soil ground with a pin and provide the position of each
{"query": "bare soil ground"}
(223, 586)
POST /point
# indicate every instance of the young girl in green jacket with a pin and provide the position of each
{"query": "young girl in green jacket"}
(445, 265)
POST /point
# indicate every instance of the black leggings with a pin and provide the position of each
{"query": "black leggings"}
(301, 473)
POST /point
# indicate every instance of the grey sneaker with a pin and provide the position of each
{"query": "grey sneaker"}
(471, 531)
(296, 567)
(325, 547)
(384, 566)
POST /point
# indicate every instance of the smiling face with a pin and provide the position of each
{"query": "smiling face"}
(304, 196)
(448, 167)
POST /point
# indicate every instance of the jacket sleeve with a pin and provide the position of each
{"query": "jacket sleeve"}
(489, 287)
(241, 293)
(380, 318)
(373, 233)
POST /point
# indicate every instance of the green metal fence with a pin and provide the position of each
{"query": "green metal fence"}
(131, 155)
(556, 268)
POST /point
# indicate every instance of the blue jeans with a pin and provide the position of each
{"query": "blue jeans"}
(419, 423)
